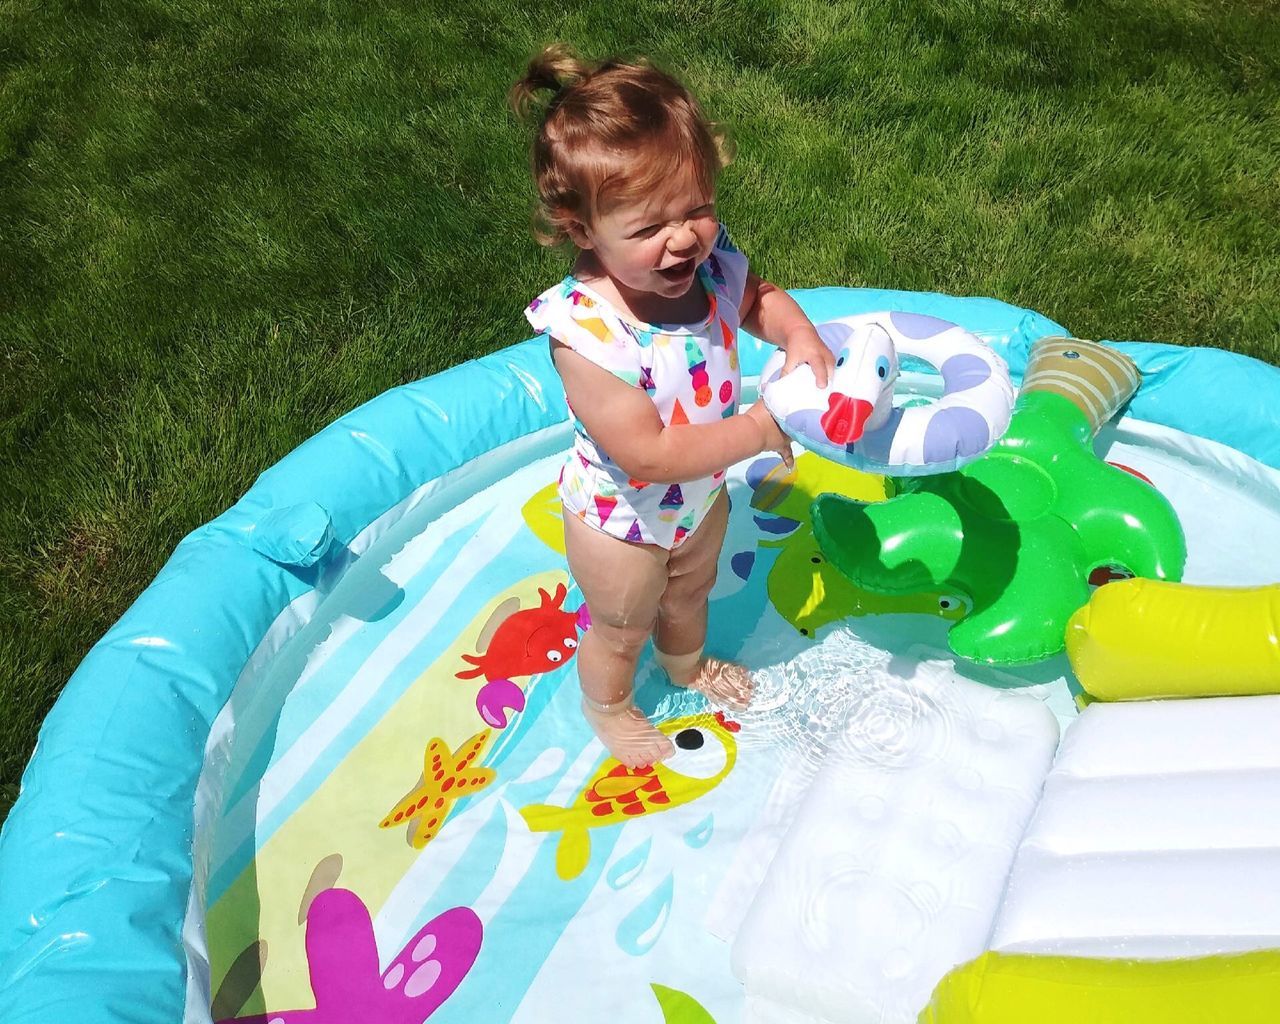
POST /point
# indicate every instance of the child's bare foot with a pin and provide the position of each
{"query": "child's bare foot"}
(723, 682)
(628, 735)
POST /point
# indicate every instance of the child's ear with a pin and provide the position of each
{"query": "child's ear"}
(579, 234)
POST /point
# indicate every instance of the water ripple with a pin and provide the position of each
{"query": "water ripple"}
(803, 699)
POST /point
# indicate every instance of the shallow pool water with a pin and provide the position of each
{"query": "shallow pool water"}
(332, 734)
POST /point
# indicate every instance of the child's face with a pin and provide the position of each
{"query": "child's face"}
(654, 244)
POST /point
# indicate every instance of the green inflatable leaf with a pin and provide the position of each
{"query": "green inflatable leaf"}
(680, 1007)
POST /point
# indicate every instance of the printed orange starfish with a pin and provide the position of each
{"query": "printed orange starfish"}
(430, 802)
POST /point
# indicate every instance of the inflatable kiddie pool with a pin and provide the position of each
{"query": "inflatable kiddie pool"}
(329, 766)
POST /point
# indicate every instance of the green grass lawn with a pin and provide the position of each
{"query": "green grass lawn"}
(220, 229)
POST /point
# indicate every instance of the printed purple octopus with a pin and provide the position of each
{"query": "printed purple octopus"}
(342, 958)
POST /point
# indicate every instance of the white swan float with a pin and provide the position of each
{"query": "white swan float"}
(853, 420)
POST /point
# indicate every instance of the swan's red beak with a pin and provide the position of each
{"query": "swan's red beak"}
(845, 417)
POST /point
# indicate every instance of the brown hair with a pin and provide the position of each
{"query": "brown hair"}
(611, 132)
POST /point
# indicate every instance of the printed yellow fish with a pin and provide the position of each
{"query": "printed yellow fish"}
(705, 754)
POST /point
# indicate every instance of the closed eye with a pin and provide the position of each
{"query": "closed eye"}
(649, 230)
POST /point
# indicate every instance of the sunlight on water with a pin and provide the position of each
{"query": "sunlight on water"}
(893, 722)
(799, 702)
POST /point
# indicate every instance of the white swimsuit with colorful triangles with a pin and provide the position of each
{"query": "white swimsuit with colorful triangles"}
(691, 373)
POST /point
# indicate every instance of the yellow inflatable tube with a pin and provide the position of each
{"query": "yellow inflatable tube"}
(1010, 988)
(1142, 639)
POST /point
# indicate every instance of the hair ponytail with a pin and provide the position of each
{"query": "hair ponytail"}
(611, 131)
(555, 69)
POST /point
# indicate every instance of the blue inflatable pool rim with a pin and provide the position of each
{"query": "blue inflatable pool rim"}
(96, 864)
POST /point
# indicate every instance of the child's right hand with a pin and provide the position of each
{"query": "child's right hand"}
(622, 419)
(774, 439)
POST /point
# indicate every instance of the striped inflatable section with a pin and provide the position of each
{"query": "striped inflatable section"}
(1094, 377)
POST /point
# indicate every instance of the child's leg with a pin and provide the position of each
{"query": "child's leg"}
(682, 615)
(691, 573)
(621, 583)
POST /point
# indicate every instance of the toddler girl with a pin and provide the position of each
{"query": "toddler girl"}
(643, 334)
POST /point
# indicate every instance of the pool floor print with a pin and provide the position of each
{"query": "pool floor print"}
(563, 858)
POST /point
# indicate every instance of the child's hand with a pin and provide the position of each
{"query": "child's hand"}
(774, 439)
(804, 346)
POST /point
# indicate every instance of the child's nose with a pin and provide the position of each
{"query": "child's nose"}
(682, 238)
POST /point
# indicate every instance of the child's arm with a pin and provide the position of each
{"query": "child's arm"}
(770, 313)
(625, 424)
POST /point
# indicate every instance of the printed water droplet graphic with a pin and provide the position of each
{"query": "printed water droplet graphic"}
(698, 836)
(624, 872)
(642, 928)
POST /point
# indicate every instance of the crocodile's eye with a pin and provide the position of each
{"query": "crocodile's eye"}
(953, 605)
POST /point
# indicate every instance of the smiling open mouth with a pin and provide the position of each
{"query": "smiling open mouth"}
(678, 272)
